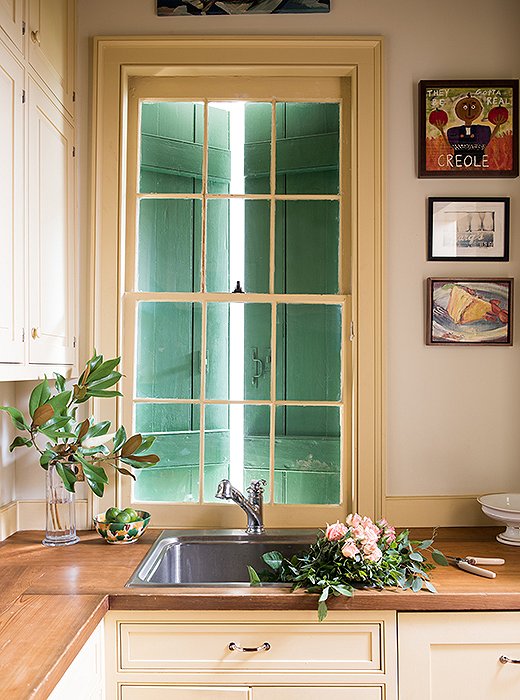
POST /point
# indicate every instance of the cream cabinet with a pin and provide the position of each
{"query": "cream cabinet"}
(51, 232)
(12, 225)
(51, 41)
(458, 655)
(38, 272)
(12, 23)
(85, 677)
(255, 655)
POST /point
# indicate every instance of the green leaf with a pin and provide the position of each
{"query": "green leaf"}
(16, 416)
(273, 560)
(103, 394)
(56, 423)
(254, 578)
(324, 594)
(141, 464)
(415, 556)
(67, 476)
(97, 487)
(105, 383)
(342, 589)
(119, 438)
(98, 429)
(42, 415)
(417, 584)
(439, 558)
(59, 382)
(425, 544)
(97, 474)
(46, 458)
(145, 445)
(103, 370)
(133, 443)
(20, 442)
(322, 611)
(60, 401)
(430, 587)
(56, 434)
(39, 395)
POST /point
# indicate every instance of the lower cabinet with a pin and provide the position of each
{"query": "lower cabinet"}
(458, 655)
(85, 677)
(238, 655)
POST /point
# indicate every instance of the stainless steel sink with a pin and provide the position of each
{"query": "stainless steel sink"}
(213, 557)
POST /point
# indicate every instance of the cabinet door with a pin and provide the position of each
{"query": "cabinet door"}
(51, 232)
(12, 282)
(319, 692)
(51, 45)
(11, 21)
(168, 692)
(457, 655)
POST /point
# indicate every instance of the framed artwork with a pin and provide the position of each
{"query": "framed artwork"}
(471, 229)
(469, 311)
(468, 128)
(168, 8)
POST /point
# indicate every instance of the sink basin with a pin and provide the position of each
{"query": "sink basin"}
(213, 557)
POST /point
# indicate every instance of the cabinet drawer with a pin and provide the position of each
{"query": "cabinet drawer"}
(294, 646)
(319, 692)
(458, 655)
(168, 692)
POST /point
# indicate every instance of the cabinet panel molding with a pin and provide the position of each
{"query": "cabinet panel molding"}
(168, 692)
(11, 22)
(312, 693)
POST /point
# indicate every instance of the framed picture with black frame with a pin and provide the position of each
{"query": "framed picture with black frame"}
(470, 229)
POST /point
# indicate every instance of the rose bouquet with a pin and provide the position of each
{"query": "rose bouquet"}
(352, 555)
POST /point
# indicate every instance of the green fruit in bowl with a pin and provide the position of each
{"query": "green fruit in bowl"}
(123, 517)
(132, 513)
(111, 515)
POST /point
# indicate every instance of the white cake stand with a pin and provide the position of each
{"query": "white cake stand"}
(505, 509)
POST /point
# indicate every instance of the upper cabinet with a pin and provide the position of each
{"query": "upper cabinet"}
(12, 287)
(12, 24)
(37, 190)
(51, 30)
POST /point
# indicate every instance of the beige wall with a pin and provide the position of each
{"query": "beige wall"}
(7, 459)
(452, 412)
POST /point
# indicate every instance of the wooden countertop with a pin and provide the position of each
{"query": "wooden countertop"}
(51, 599)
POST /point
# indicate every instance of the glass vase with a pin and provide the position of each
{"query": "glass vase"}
(61, 513)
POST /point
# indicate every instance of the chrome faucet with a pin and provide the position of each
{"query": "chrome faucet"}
(252, 505)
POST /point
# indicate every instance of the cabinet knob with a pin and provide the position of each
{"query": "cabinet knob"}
(35, 332)
(232, 646)
(507, 660)
(35, 36)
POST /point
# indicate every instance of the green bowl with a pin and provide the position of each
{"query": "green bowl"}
(122, 533)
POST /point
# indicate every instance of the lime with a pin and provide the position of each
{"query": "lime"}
(111, 515)
(122, 517)
(132, 513)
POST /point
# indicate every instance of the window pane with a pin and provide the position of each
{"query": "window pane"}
(237, 245)
(307, 454)
(307, 148)
(239, 148)
(168, 350)
(169, 244)
(238, 351)
(176, 477)
(307, 247)
(172, 136)
(236, 446)
(308, 352)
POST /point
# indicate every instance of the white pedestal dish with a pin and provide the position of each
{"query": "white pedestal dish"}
(505, 508)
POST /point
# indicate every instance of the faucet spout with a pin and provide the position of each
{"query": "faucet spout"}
(252, 505)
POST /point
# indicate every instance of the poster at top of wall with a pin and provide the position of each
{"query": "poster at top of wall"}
(168, 8)
(468, 128)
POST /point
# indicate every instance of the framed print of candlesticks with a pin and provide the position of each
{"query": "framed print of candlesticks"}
(468, 128)
(474, 229)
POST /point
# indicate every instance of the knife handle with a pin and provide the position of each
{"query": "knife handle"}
(470, 568)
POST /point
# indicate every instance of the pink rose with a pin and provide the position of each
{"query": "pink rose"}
(387, 531)
(353, 520)
(349, 549)
(335, 532)
(372, 552)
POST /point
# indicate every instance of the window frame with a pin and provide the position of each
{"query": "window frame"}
(358, 62)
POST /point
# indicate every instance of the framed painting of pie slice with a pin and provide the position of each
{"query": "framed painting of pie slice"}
(469, 311)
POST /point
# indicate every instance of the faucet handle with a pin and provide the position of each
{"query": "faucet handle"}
(256, 487)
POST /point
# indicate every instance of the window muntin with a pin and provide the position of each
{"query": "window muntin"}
(277, 222)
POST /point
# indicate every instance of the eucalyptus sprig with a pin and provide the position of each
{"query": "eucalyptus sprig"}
(357, 554)
(79, 450)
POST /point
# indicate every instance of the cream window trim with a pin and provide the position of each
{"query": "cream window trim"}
(116, 61)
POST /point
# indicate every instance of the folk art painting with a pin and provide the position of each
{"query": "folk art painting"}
(468, 128)
(239, 7)
(470, 311)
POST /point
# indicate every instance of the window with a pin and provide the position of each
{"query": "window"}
(237, 294)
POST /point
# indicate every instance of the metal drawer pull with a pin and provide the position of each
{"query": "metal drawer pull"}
(236, 647)
(35, 37)
(507, 660)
